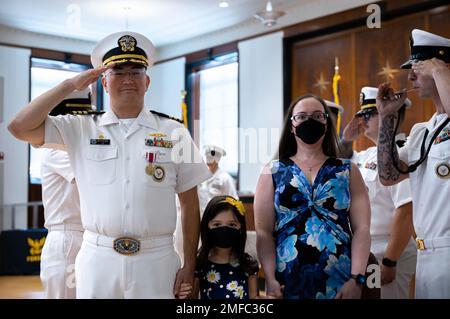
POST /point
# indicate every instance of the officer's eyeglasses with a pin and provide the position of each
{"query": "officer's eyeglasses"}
(303, 116)
(121, 74)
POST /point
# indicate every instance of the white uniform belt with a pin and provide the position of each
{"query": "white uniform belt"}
(127, 245)
(423, 244)
(66, 227)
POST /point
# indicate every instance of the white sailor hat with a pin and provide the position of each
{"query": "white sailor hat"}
(368, 100)
(213, 151)
(123, 47)
(335, 106)
(76, 103)
(425, 45)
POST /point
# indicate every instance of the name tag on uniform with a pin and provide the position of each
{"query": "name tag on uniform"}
(100, 141)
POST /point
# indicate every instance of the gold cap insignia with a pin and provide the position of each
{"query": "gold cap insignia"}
(127, 43)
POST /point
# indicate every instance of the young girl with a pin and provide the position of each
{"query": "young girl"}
(224, 270)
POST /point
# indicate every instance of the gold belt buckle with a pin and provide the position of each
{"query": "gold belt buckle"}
(420, 244)
(127, 245)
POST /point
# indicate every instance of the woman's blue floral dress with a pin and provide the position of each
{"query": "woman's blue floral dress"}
(312, 230)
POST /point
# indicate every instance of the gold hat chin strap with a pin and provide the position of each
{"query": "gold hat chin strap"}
(363, 107)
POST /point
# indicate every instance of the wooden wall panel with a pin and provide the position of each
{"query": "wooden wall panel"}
(363, 55)
(313, 60)
(378, 50)
(438, 21)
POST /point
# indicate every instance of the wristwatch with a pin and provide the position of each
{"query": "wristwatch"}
(389, 262)
(360, 279)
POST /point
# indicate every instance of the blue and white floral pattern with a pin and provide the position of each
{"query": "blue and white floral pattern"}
(286, 252)
(312, 229)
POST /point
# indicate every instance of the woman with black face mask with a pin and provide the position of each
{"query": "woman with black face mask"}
(223, 269)
(312, 212)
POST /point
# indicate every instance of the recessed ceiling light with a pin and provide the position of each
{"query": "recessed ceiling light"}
(223, 4)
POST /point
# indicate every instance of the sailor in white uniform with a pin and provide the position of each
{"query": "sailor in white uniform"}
(61, 210)
(220, 183)
(425, 159)
(391, 226)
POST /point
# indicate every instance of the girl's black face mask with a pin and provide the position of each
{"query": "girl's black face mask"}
(310, 131)
(224, 236)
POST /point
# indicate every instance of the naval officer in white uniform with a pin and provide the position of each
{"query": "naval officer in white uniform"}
(220, 183)
(129, 163)
(391, 226)
(425, 159)
(61, 210)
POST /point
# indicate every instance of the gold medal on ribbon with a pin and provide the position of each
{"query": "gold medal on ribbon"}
(149, 169)
(151, 158)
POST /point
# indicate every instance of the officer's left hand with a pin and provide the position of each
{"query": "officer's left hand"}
(185, 275)
(185, 291)
(428, 67)
(387, 274)
(350, 290)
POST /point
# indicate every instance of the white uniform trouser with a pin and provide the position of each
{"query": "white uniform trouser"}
(406, 265)
(433, 271)
(58, 261)
(103, 273)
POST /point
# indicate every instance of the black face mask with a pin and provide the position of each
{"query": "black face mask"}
(224, 237)
(310, 131)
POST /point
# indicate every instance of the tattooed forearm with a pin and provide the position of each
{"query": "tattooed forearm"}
(386, 169)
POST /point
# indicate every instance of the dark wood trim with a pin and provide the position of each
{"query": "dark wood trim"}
(287, 74)
(318, 25)
(54, 55)
(218, 51)
(390, 9)
(61, 56)
(207, 54)
(14, 45)
(192, 85)
(344, 22)
(198, 62)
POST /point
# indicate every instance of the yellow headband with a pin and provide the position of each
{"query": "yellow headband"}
(236, 203)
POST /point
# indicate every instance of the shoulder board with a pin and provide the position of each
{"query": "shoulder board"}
(167, 116)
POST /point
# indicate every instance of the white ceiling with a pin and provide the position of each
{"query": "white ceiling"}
(163, 21)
